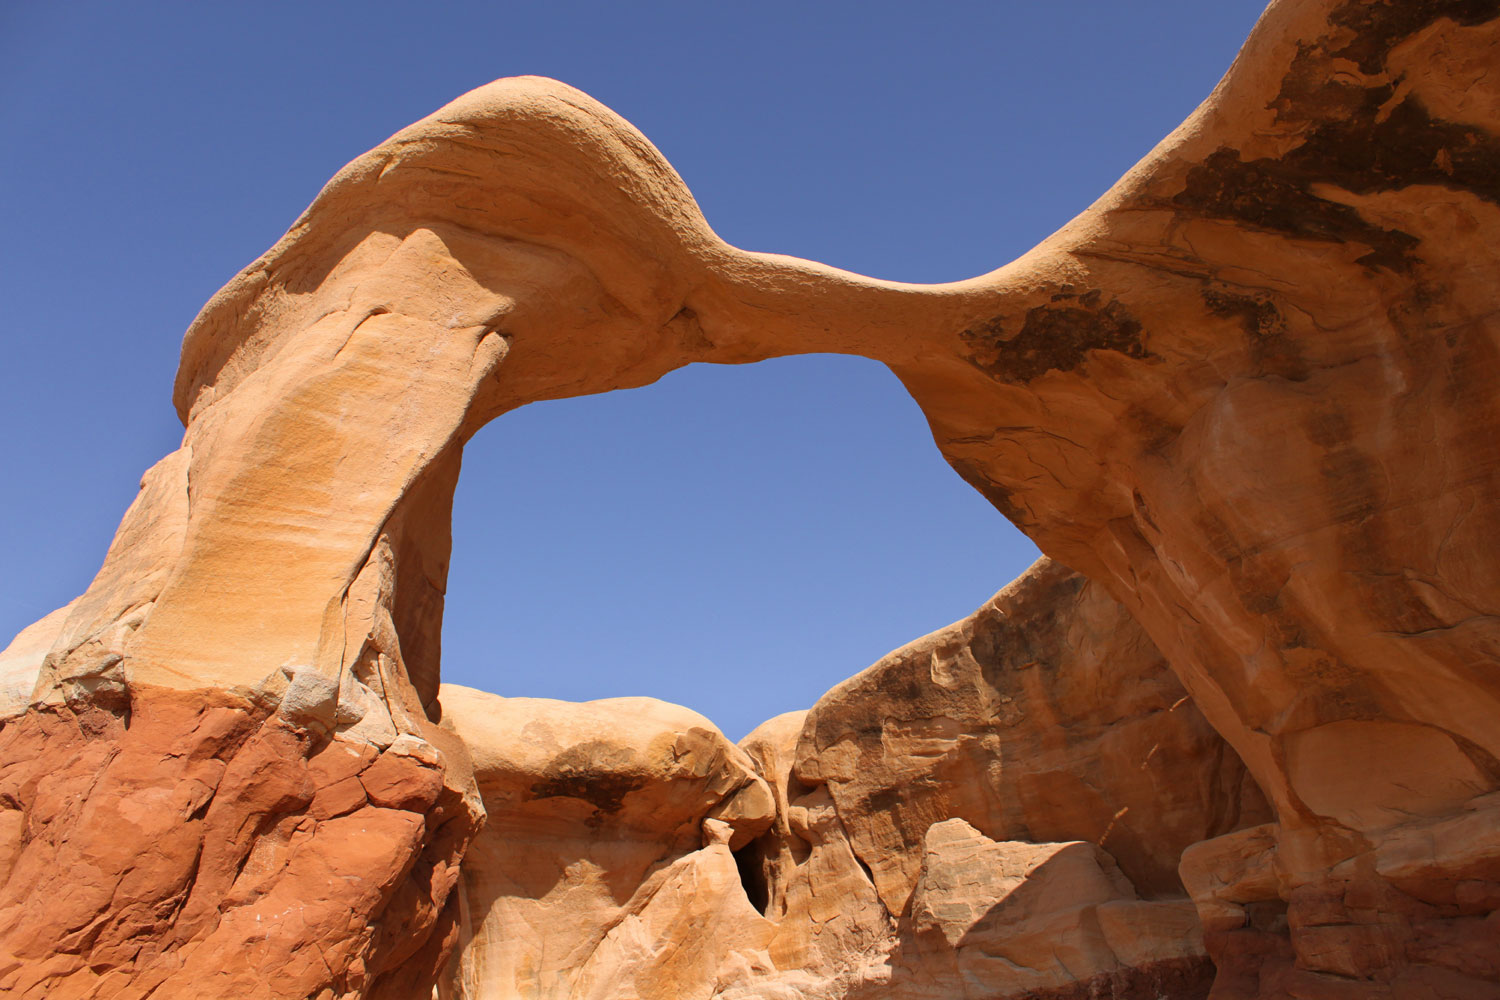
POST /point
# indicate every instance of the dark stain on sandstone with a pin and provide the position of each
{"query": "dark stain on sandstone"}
(605, 792)
(1356, 494)
(1357, 136)
(595, 772)
(1273, 195)
(1379, 27)
(1353, 480)
(998, 495)
(1055, 337)
(1271, 350)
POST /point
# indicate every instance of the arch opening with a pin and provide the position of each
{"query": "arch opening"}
(736, 539)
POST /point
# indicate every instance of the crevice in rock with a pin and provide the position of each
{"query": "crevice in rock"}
(753, 876)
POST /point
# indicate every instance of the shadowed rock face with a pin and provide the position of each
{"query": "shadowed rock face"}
(1251, 393)
(1046, 715)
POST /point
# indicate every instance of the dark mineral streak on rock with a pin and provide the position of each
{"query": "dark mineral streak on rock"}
(1360, 137)
(1055, 338)
(1273, 195)
(605, 793)
(1272, 351)
(1379, 26)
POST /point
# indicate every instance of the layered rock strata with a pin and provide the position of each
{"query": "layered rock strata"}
(1252, 392)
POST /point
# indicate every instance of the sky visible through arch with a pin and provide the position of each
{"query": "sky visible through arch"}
(737, 540)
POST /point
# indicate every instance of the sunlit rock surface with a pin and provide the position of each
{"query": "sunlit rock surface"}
(997, 809)
(604, 868)
(1252, 394)
(892, 841)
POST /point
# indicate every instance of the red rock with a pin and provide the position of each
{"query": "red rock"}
(340, 797)
(399, 781)
(180, 854)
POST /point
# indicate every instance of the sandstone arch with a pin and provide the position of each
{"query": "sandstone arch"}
(1251, 391)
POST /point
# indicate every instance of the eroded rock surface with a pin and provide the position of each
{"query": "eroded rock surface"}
(1017, 919)
(997, 810)
(605, 867)
(1252, 392)
(1047, 715)
(631, 851)
(172, 844)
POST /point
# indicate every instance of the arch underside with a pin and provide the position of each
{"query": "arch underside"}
(1252, 393)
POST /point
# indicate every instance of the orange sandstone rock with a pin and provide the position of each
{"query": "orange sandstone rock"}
(1251, 393)
(184, 843)
(921, 803)
(1046, 715)
(604, 869)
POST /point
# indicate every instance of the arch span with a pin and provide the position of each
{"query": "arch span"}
(1252, 391)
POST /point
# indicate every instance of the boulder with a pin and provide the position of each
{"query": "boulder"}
(605, 862)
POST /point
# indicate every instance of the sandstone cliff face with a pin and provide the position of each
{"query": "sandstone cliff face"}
(998, 809)
(1046, 715)
(995, 810)
(1251, 393)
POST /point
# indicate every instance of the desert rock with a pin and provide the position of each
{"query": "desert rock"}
(605, 867)
(1032, 773)
(1016, 919)
(1047, 715)
(183, 844)
(1252, 393)
(631, 851)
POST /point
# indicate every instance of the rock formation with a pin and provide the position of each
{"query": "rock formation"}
(609, 831)
(994, 810)
(998, 810)
(1251, 394)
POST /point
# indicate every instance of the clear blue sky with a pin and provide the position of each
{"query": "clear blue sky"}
(737, 540)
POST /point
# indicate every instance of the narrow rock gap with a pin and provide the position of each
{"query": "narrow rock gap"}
(753, 876)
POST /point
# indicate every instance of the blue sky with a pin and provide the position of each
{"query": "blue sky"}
(737, 540)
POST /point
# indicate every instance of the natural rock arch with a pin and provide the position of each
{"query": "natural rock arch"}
(1251, 391)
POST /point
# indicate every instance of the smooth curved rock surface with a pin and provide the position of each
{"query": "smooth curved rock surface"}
(1252, 391)
(604, 867)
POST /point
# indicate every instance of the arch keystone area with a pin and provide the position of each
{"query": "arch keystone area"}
(1250, 396)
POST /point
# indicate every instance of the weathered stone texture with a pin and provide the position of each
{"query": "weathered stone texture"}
(1252, 394)
(604, 868)
(998, 809)
(196, 843)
